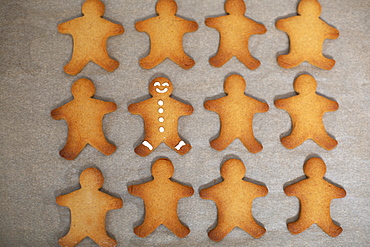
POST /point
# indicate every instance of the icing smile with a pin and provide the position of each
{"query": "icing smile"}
(161, 91)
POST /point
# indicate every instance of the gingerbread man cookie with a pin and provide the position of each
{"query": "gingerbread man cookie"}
(236, 111)
(166, 32)
(307, 33)
(84, 116)
(88, 207)
(161, 196)
(235, 30)
(306, 111)
(90, 34)
(315, 195)
(161, 114)
(233, 198)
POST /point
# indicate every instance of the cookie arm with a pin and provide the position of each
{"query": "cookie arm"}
(332, 105)
(210, 105)
(212, 22)
(116, 203)
(187, 191)
(134, 108)
(134, 190)
(191, 26)
(110, 106)
(116, 29)
(280, 103)
(57, 113)
(262, 107)
(261, 190)
(186, 109)
(65, 27)
(259, 28)
(290, 190)
(207, 193)
(62, 200)
(141, 26)
(339, 192)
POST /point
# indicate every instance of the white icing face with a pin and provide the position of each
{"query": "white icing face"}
(160, 86)
(157, 84)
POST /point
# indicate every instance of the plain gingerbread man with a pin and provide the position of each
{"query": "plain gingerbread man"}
(315, 195)
(236, 111)
(90, 34)
(235, 30)
(161, 196)
(88, 207)
(166, 32)
(161, 114)
(307, 33)
(84, 116)
(306, 111)
(233, 198)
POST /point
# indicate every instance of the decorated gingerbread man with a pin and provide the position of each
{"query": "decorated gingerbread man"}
(236, 112)
(88, 207)
(161, 196)
(315, 195)
(161, 114)
(90, 34)
(307, 33)
(84, 116)
(233, 198)
(306, 111)
(235, 30)
(166, 32)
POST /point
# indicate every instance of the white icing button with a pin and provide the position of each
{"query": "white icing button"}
(160, 102)
(161, 119)
(161, 129)
(160, 110)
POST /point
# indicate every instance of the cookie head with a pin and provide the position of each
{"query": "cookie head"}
(93, 7)
(234, 84)
(305, 84)
(83, 88)
(314, 168)
(166, 7)
(233, 170)
(162, 168)
(160, 86)
(236, 7)
(91, 178)
(309, 8)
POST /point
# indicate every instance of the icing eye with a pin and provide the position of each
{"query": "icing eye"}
(166, 84)
(157, 84)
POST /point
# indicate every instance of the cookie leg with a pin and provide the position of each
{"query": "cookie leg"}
(325, 141)
(103, 240)
(220, 58)
(106, 62)
(103, 145)
(176, 227)
(146, 147)
(183, 60)
(249, 61)
(251, 144)
(330, 228)
(222, 141)
(219, 232)
(180, 146)
(76, 64)
(293, 140)
(152, 60)
(72, 148)
(289, 61)
(253, 229)
(71, 239)
(146, 228)
(322, 62)
(299, 226)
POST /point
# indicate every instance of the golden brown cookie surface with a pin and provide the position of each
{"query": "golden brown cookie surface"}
(90, 34)
(306, 111)
(161, 196)
(166, 32)
(233, 198)
(84, 116)
(160, 114)
(315, 195)
(235, 30)
(88, 207)
(236, 112)
(307, 33)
